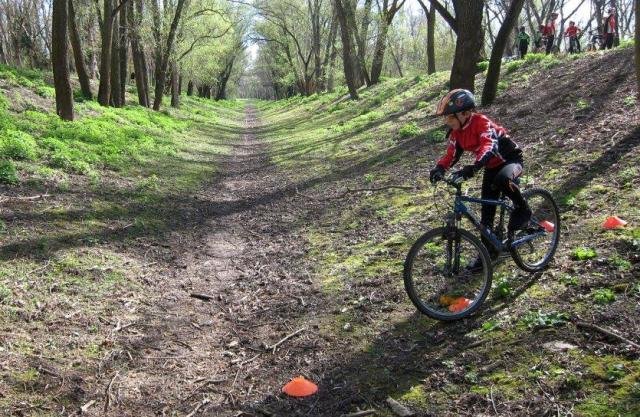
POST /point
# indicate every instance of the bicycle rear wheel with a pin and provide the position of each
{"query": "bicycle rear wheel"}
(437, 276)
(533, 247)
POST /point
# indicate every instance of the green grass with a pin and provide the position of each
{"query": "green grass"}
(118, 176)
(409, 130)
(100, 139)
(8, 172)
(583, 253)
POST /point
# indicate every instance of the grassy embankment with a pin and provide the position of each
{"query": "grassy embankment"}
(359, 245)
(101, 183)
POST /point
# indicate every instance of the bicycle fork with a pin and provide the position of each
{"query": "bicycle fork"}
(452, 266)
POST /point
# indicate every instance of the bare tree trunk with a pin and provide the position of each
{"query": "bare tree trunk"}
(493, 73)
(123, 56)
(64, 96)
(104, 90)
(328, 52)
(431, 41)
(137, 54)
(430, 13)
(598, 6)
(470, 41)
(314, 8)
(359, 63)
(637, 5)
(386, 17)
(161, 70)
(361, 39)
(221, 94)
(510, 45)
(396, 61)
(78, 56)
(190, 88)
(3, 58)
(347, 50)
(115, 64)
(93, 60)
(3, 41)
(378, 54)
(331, 70)
(175, 89)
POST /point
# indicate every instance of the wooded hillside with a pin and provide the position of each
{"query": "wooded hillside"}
(201, 200)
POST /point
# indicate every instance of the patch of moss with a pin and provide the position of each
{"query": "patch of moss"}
(416, 396)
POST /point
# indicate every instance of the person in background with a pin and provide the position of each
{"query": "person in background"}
(573, 33)
(523, 42)
(538, 39)
(550, 32)
(609, 29)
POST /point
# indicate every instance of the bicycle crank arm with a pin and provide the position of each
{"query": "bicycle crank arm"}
(528, 238)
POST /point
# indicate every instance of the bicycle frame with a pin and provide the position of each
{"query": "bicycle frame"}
(461, 210)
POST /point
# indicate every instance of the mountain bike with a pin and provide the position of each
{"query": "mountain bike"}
(595, 41)
(437, 273)
(574, 45)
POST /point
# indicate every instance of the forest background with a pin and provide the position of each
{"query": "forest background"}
(273, 49)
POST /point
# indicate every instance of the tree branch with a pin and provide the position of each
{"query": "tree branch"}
(453, 23)
(117, 9)
(195, 41)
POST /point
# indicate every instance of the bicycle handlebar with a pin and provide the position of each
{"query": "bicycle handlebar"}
(449, 180)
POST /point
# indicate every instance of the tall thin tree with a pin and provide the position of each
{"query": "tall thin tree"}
(106, 25)
(59, 57)
(162, 56)
(115, 65)
(467, 24)
(430, 13)
(123, 56)
(347, 49)
(387, 13)
(104, 88)
(137, 52)
(495, 62)
(637, 5)
(78, 56)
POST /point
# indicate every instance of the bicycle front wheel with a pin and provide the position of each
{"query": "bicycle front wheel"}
(533, 248)
(447, 273)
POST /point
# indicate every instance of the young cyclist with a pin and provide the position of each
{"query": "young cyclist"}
(550, 32)
(573, 33)
(500, 157)
(523, 40)
(609, 29)
(538, 39)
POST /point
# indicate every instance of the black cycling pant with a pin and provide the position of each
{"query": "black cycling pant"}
(608, 40)
(574, 45)
(502, 179)
(524, 47)
(549, 44)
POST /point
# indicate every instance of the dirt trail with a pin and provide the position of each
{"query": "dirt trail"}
(217, 355)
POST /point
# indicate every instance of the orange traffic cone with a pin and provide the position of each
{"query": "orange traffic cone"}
(547, 225)
(300, 387)
(613, 222)
(459, 304)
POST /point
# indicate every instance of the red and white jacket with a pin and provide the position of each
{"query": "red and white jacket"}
(486, 139)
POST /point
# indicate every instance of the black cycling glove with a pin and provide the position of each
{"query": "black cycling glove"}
(465, 173)
(436, 174)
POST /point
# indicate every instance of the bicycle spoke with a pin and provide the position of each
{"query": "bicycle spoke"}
(438, 278)
(534, 247)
